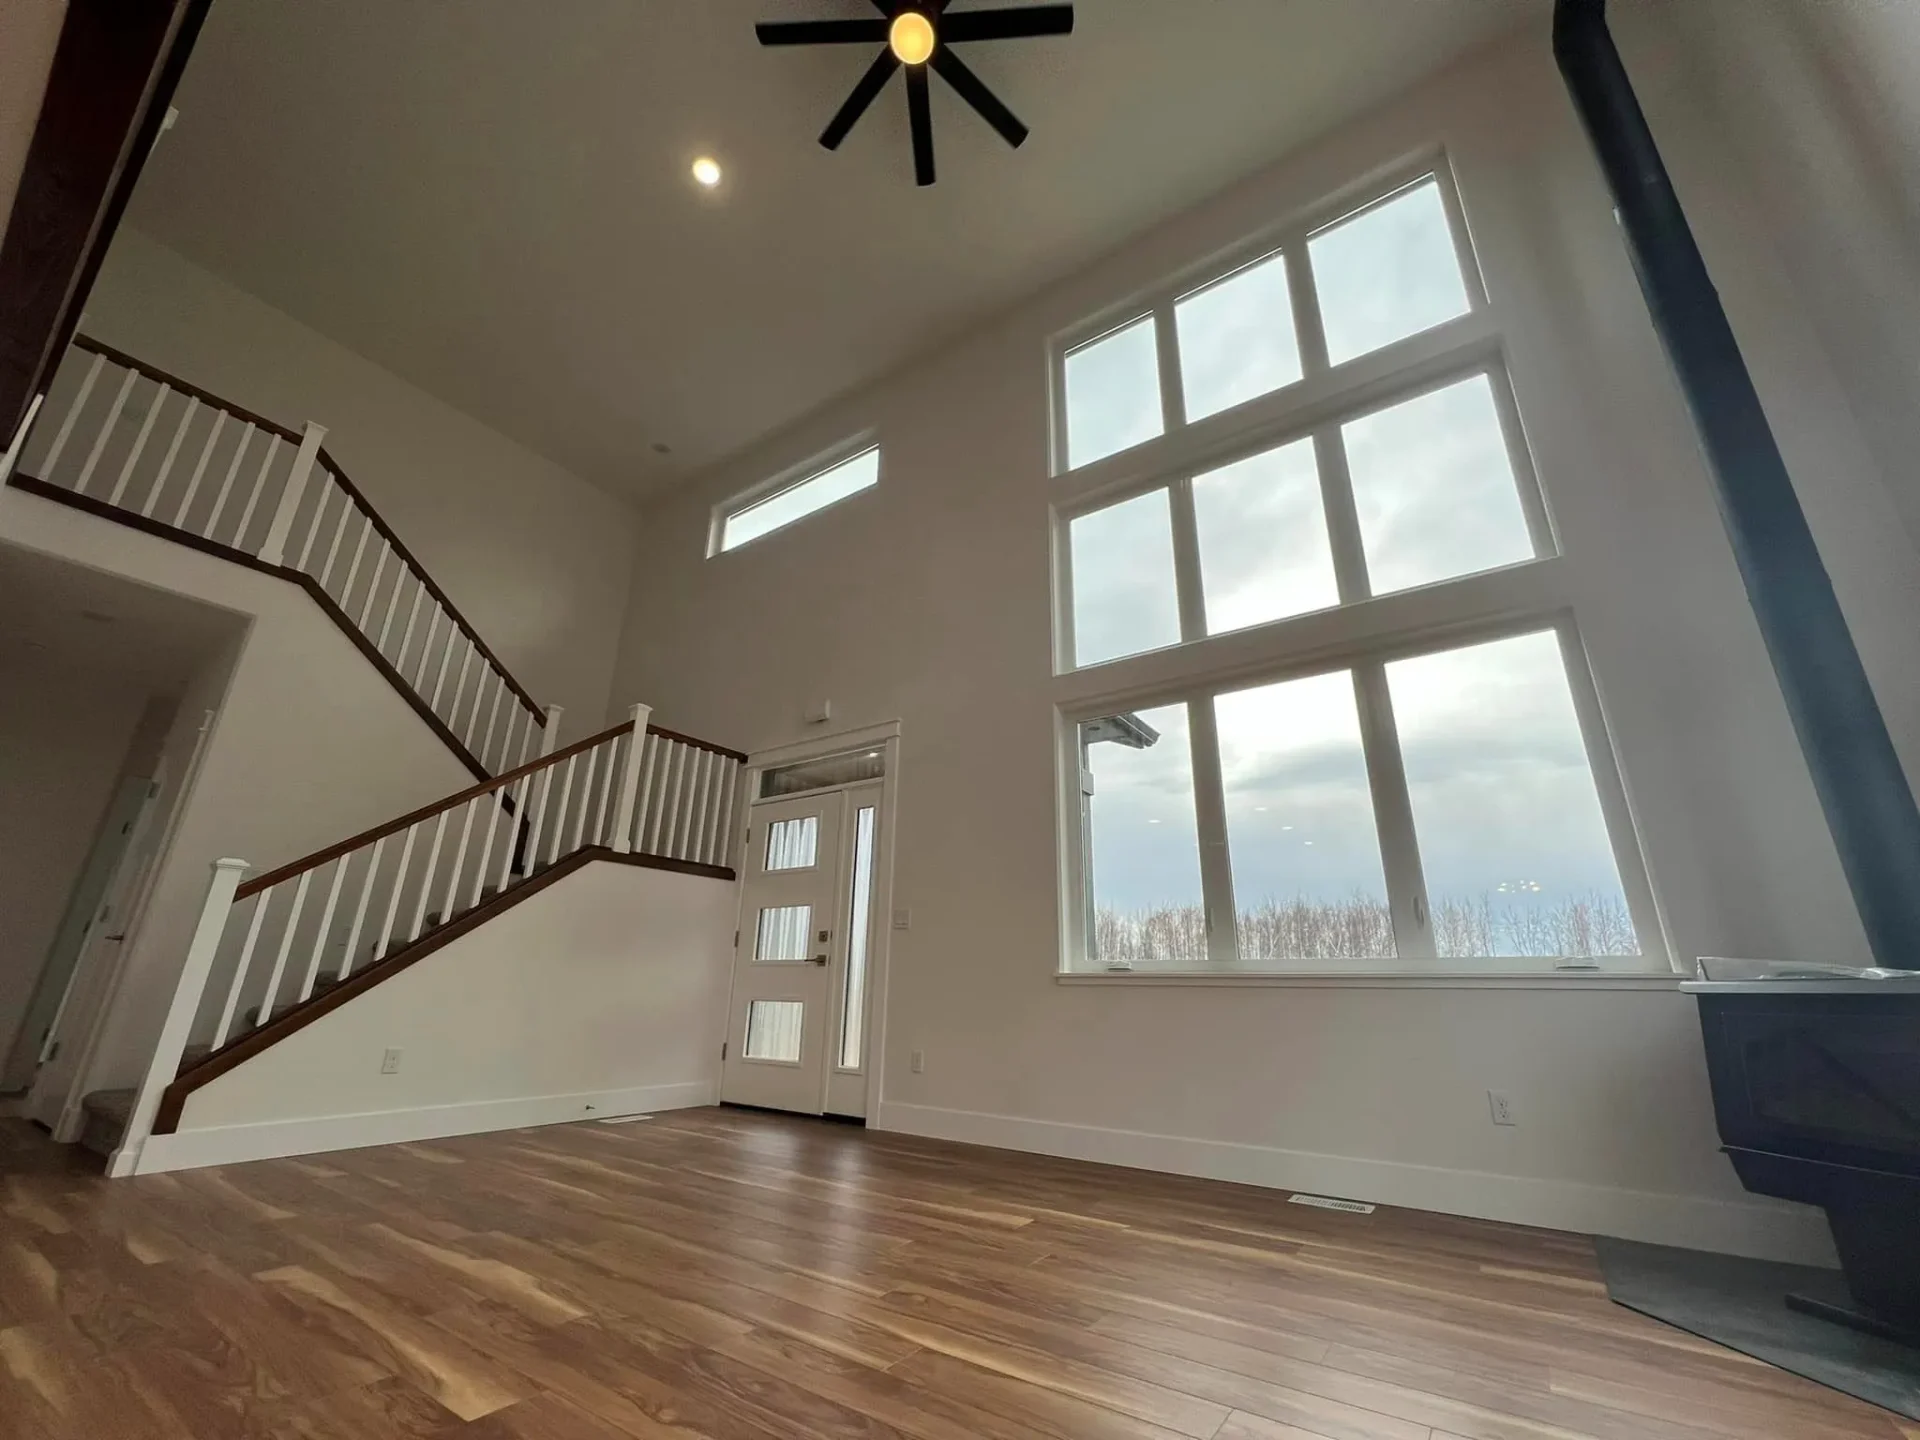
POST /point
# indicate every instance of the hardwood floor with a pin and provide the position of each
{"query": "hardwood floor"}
(726, 1274)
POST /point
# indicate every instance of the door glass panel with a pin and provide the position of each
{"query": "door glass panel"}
(773, 1030)
(1307, 876)
(1113, 393)
(1143, 845)
(793, 844)
(1512, 839)
(783, 933)
(1124, 597)
(1389, 272)
(852, 1014)
(1264, 551)
(1434, 484)
(1236, 339)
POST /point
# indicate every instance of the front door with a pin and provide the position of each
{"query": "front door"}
(784, 956)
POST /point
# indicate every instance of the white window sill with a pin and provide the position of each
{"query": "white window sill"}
(1385, 980)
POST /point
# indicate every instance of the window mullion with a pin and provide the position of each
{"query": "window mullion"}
(1210, 815)
(1343, 517)
(1393, 814)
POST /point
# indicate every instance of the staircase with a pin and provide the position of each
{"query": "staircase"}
(122, 440)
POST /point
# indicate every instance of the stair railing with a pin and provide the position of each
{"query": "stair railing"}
(269, 953)
(119, 438)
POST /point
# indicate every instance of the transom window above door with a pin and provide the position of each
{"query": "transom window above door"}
(1322, 697)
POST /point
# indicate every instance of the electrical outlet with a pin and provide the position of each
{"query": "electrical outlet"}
(390, 1063)
(1501, 1106)
(903, 919)
(919, 1062)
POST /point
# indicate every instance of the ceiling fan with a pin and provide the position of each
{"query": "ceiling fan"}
(919, 35)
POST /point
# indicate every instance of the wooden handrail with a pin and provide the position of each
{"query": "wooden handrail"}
(183, 387)
(175, 383)
(425, 812)
(453, 611)
(295, 868)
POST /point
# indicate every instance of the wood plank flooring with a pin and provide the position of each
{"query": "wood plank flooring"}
(726, 1274)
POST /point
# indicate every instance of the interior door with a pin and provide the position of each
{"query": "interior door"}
(785, 956)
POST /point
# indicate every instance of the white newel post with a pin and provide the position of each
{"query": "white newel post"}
(178, 1026)
(12, 457)
(274, 549)
(630, 780)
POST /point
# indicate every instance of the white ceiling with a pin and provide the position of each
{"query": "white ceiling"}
(90, 622)
(490, 197)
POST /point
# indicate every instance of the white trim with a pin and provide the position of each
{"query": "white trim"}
(230, 1144)
(19, 443)
(1434, 979)
(1766, 1229)
(822, 747)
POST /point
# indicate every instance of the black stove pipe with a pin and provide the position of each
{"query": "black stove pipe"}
(1856, 771)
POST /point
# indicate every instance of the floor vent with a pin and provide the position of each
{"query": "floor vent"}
(624, 1119)
(1321, 1202)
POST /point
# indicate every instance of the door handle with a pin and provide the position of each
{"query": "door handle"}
(818, 960)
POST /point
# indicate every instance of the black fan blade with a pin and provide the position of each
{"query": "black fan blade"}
(1007, 24)
(871, 84)
(822, 32)
(954, 71)
(920, 110)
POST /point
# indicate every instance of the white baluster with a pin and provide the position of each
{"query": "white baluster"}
(454, 640)
(339, 534)
(273, 549)
(458, 703)
(286, 945)
(360, 907)
(545, 781)
(460, 856)
(696, 804)
(326, 928)
(670, 810)
(100, 440)
(200, 469)
(413, 616)
(386, 935)
(585, 800)
(488, 680)
(215, 910)
(253, 495)
(629, 821)
(72, 415)
(426, 880)
(139, 445)
(353, 567)
(226, 485)
(565, 786)
(518, 792)
(730, 808)
(496, 813)
(260, 904)
(616, 764)
(173, 451)
(665, 756)
(716, 791)
(373, 589)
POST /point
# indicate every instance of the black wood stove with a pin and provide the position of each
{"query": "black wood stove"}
(1816, 1087)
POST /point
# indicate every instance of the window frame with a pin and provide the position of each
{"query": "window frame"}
(792, 478)
(1363, 633)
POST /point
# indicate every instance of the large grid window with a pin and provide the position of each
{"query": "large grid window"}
(1323, 697)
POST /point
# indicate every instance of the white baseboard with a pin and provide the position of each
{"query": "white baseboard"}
(1766, 1229)
(231, 1144)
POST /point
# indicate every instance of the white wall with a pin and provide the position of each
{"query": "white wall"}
(64, 734)
(536, 558)
(29, 31)
(601, 995)
(311, 745)
(928, 600)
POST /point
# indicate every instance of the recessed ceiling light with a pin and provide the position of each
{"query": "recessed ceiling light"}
(660, 447)
(99, 617)
(706, 170)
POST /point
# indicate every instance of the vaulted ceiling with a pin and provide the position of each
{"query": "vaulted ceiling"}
(491, 197)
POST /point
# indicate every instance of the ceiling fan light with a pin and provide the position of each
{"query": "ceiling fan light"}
(911, 38)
